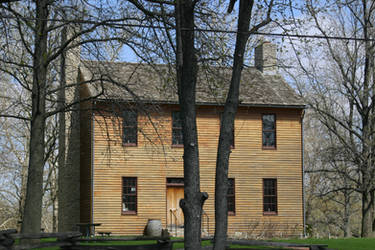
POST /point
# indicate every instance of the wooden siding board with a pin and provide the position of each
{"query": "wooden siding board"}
(152, 164)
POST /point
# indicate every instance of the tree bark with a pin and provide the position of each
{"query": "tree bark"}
(186, 79)
(34, 193)
(367, 207)
(347, 205)
(226, 128)
(21, 204)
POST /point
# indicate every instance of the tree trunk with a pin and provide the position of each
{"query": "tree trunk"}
(367, 207)
(54, 215)
(34, 193)
(226, 128)
(21, 203)
(186, 79)
(347, 228)
(367, 127)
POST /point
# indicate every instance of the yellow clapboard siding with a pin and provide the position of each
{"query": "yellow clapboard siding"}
(153, 162)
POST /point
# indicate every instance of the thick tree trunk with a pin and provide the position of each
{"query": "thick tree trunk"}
(186, 79)
(226, 128)
(367, 127)
(367, 207)
(34, 193)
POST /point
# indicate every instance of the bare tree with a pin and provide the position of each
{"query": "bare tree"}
(331, 201)
(341, 82)
(230, 110)
(33, 68)
(186, 63)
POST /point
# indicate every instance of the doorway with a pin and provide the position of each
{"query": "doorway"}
(175, 192)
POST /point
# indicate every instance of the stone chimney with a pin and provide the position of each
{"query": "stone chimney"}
(265, 57)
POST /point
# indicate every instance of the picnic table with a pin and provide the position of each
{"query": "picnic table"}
(85, 228)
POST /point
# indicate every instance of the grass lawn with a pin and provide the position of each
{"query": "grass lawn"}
(177, 245)
(340, 244)
(256, 247)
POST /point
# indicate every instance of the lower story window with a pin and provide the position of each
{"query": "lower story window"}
(231, 198)
(269, 196)
(129, 195)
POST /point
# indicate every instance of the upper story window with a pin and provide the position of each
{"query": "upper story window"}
(177, 138)
(269, 196)
(232, 134)
(269, 131)
(130, 131)
(231, 197)
(129, 195)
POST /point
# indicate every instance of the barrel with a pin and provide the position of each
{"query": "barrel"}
(154, 227)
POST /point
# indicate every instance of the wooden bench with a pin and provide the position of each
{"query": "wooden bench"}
(104, 233)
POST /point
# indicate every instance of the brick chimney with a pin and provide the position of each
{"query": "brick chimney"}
(265, 57)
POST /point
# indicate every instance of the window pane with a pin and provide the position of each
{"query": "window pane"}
(176, 119)
(130, 130)
(130, 117)
(269, 131)
(130, 135)
(129, 195)
(268, 122)
(268, 208)
(269, 139)
(131, 199)
(177, 138)
(269, 195)
(231, 200)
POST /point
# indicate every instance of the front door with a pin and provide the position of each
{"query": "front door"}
(175, 215)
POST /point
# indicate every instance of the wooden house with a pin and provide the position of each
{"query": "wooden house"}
(131, 148)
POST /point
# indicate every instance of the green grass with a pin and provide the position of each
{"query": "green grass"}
(340, 244)
(255, 247)
(179, 245)
(120, 243)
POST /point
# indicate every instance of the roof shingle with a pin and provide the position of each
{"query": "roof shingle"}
(157, 83)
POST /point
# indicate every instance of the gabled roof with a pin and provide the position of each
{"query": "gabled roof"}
(157, 84)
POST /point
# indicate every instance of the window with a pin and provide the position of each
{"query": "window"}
(129, 195)
(177, 138)
(231, 198)
(269, 131)
(232, 139)
(269, 196)
(175, 182)
(130, 130)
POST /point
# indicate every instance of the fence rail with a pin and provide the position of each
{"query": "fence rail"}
(73, 240)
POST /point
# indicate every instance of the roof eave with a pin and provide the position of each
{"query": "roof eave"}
(260, 105)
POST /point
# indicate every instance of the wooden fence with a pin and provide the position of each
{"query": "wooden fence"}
(73, 241)
(10, 239)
